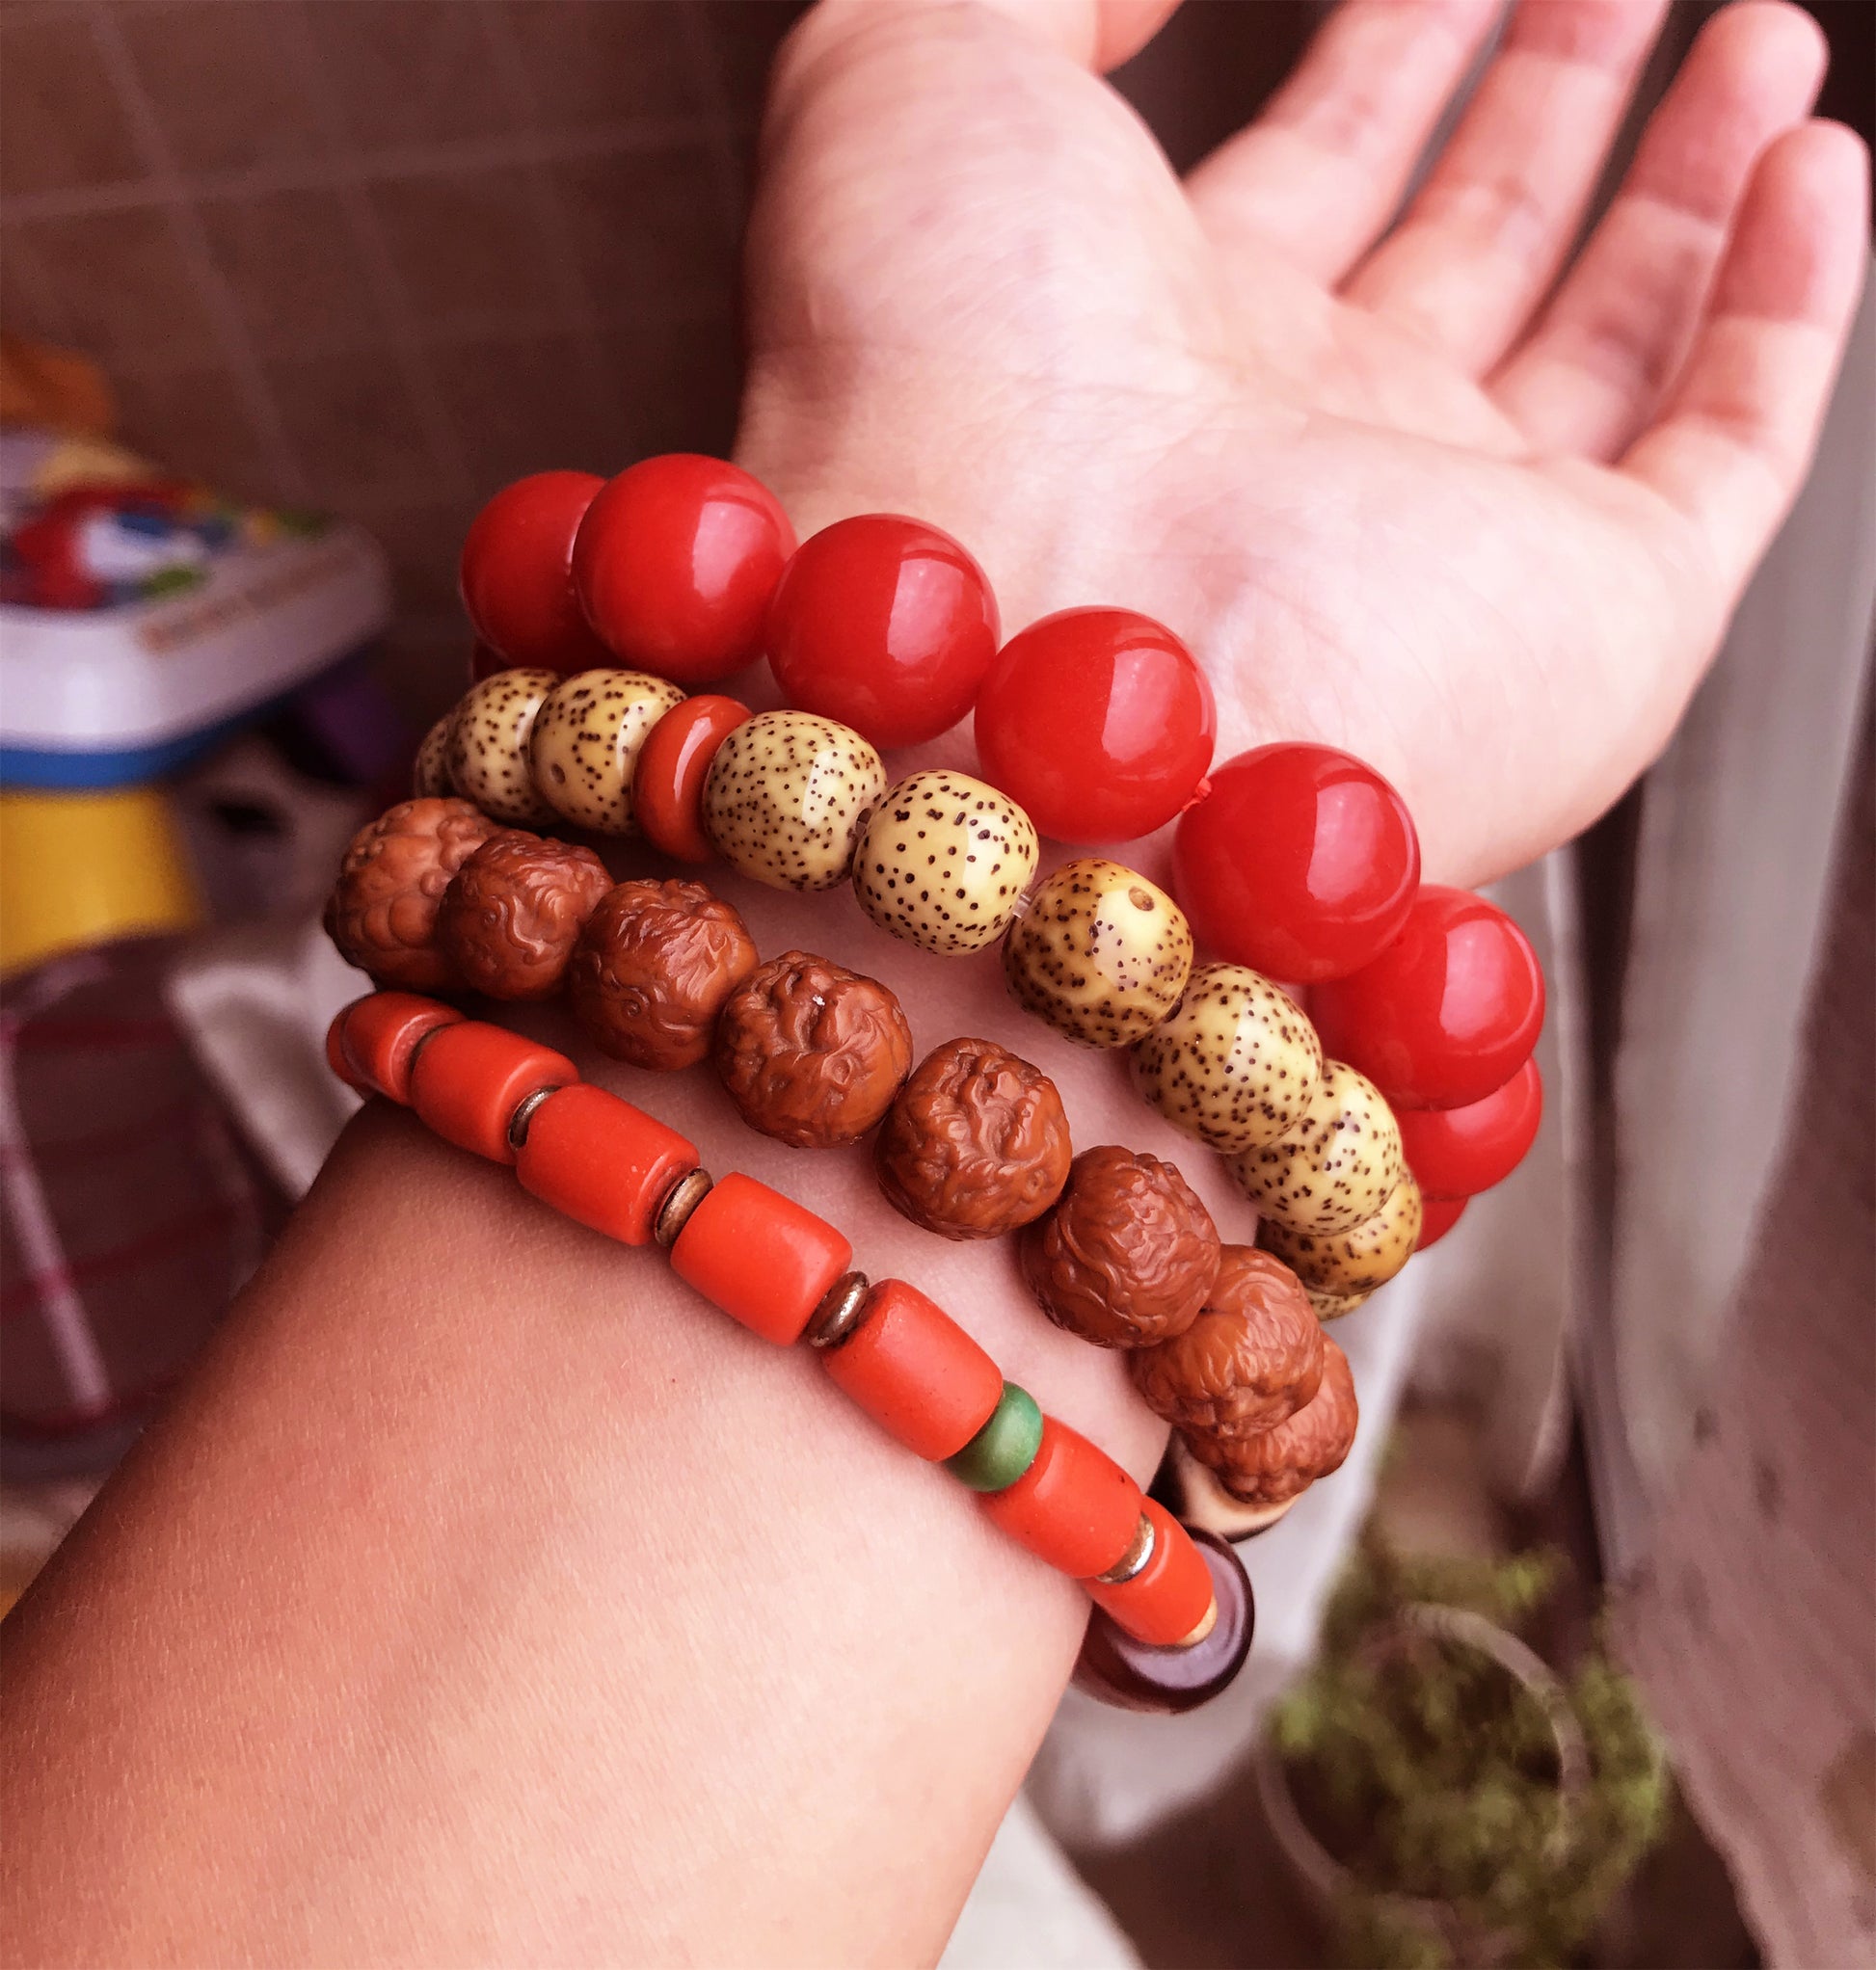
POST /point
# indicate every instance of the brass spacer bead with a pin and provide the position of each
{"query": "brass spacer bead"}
(1133, 1560)
(518, 1122)
(843, 1307)
(679, 1201)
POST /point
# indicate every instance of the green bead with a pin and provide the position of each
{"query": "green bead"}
(1005, 1448)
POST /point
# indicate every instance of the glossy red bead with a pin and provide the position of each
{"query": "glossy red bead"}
(1447, 1013)
(1299, 862)
(886, 624)
(1099, 722)
(1438, 1217)
(667, 780)
(676, 562)
(518, 583)
(1458, 1151)
(485, 659)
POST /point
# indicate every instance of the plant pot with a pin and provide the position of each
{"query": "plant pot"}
(1330, 1887)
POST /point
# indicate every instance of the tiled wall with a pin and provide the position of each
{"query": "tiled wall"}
(381, 255)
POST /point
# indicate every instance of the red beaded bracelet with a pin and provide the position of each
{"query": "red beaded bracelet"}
(1173, 1615)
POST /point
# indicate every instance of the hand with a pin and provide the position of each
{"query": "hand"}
(1402, 490)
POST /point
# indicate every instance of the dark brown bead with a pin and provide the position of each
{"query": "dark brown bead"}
(977, 1143)
(1272, 1466)
(811, 1052)
(1128, 1256)
(381, 912)
(1133, 1675)
(653, 967)
(1254, 1356)
(513, 913)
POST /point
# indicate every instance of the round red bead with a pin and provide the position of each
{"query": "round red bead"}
(1447, 1013)
(1099, 722)
(1299, 862)
(676, 562)
(485, 659)
(884, 624)
(1459, 1152)
(517, 579)
(1438, 1217)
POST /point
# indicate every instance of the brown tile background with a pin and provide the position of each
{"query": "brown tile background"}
(383, 255)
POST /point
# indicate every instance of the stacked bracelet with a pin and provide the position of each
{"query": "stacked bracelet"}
(1173, 1615)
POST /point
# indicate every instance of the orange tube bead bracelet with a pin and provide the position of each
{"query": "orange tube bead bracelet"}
(1171, 1621)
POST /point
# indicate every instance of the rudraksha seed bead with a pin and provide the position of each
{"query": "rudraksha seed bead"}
(513, 913)
(811, 1052)
(1272, 1466)
(1356, 1260)
(653, 967)
(1338, 1165)
(488, 745)
(976, 1144)
(942, 861)
(1137, 1675)
(1254, 1356)
(1235, 1064)
(915, 1372)
(381, 912)
(1101, 954)
(1128, 1256)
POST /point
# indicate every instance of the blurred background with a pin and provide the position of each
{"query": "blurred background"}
(288, 288)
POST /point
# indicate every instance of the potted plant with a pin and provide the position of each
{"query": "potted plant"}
(1443, 1796)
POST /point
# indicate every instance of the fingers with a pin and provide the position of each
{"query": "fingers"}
(1322, 169)
(1736, 435)
(1615, 334)
(1487, 232)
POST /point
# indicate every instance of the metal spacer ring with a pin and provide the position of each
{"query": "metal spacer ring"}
(1133, 1560)
(843, 1308)
(518, 1122)
(679, 1201)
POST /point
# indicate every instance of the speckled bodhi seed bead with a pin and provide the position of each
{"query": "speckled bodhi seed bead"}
(1332, 1306)
(1102, 954)
(1235, 1064)
(430, 776)
(786, 796)
(586, 740)
(488, 745)
(1338, 1165)
(943, 862)
(1354, 1262)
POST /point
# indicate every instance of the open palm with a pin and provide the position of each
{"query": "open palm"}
(1403, 488)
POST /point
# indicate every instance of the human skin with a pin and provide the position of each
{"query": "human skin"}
(486, 1598)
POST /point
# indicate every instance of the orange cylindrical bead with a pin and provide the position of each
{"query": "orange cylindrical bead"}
(1074, 1506)
(470, 1078)
(335, 1053)
(378, 1036)
(917, 1372)
(762, 1258)
(601, 1161)
(1166, 1599)
(667, 780)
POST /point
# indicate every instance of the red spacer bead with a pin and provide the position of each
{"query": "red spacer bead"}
(601, 1161)
(762, 1258)
(917, 1372)
(471, 1079)
(378, 1036)
(667, 781)
(1166, 1599)
(1074, 1506)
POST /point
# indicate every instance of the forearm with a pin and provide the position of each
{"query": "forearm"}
(486, 1596)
